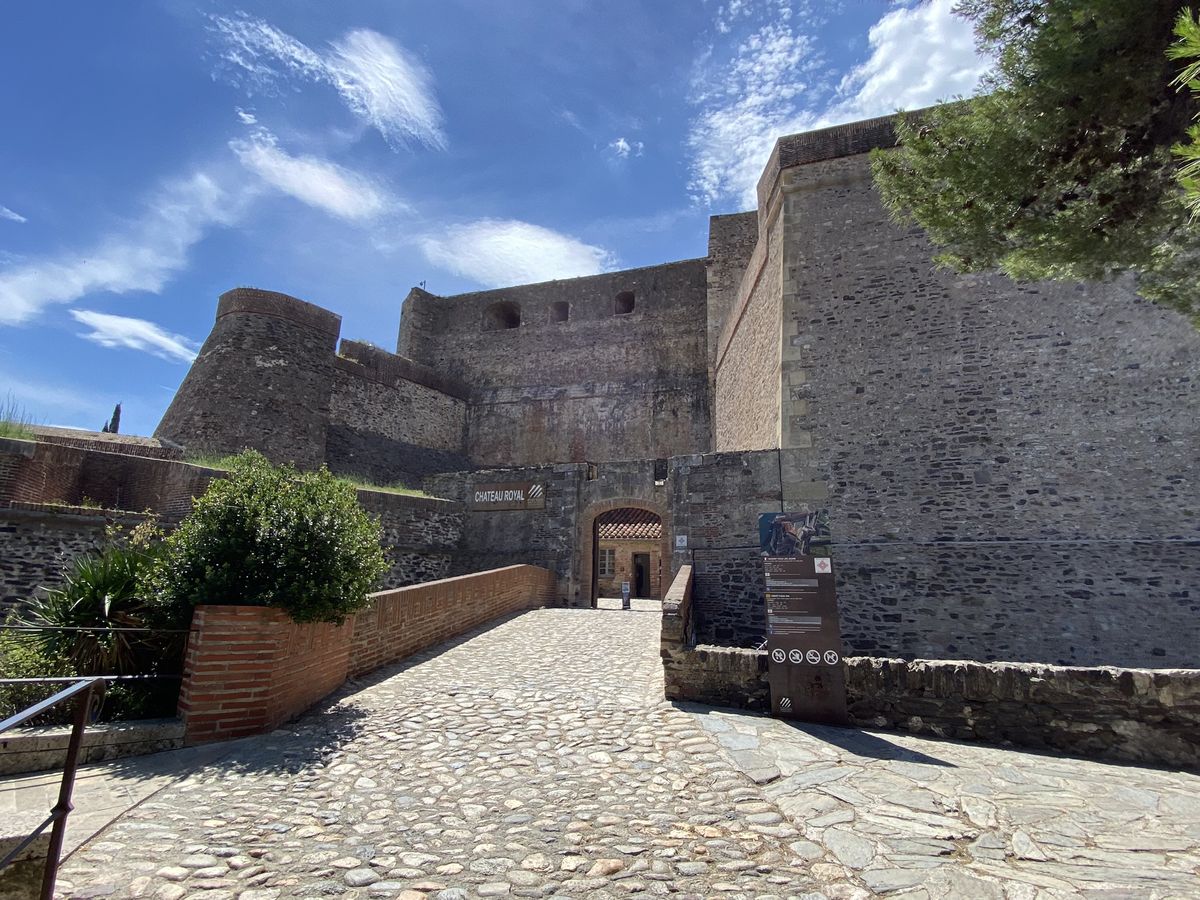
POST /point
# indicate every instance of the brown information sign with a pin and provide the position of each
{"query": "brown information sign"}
(804, 640)
(512, 495)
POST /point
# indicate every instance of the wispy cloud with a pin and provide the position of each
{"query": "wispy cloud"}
(135, 334)
(919, 55)
(771, 84)
(500, 252)
(745, 103)
(141, 258)
(6, 213)
(381, 82)
(245, 116)
(623, 149)
(312, 180)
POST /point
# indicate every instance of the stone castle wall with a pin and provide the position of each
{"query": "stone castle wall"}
(601, 385)
(392, 420)
(263, 379)
(268, 378)
(731, 241)
(746, 362)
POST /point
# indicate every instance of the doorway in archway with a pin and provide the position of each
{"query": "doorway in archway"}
(628, 550)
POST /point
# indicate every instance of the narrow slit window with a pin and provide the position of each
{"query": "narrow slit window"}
(623, 305)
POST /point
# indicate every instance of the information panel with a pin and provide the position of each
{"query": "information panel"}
(804, 640)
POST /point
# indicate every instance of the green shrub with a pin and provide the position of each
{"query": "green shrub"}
(21, 657)
(103, 592)
(271, 536)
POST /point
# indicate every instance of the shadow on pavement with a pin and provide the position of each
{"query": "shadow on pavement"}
(865, 744)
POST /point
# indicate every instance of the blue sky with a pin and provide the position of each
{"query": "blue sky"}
(159, 153)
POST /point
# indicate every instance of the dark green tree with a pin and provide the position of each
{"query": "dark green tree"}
(1064, 168)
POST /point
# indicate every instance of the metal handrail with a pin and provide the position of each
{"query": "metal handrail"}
(88, 692)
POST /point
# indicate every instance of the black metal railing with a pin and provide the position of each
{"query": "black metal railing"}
(87, 693)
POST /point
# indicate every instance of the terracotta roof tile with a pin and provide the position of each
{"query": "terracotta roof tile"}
(629, 525)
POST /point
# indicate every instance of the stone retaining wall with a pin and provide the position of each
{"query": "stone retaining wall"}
(39, 749)
(1139, 715)
(43, 527)
(250, 668)
(1135, 715)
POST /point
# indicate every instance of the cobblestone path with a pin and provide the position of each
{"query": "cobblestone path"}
(535, 758)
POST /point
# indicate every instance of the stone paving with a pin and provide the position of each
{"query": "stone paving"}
(929, 819)
(537, 758)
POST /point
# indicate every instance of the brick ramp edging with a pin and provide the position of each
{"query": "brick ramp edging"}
(249, 669)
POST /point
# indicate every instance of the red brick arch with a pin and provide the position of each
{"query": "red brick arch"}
(587, 540)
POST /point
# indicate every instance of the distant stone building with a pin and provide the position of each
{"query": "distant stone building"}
(629, 543)
(1011, 469)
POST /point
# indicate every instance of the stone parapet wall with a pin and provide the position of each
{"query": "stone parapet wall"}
(1135, 715)
(248, 669)
(1138, 715)
(720, 676)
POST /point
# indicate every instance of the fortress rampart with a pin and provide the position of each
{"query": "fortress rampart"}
(1011, 468)
(605, 367)
(262, 379)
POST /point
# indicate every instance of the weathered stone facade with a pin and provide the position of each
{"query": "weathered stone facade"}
(38, 540)
(1010, 467)
(605, 383)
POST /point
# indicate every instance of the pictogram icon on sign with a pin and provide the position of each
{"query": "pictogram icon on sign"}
(813, 656)
(778, 655)
(831, 657)
(822, 565)
(785, 703)
(796, 656)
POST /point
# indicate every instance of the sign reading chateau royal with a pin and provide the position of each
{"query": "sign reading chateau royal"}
(511, 495)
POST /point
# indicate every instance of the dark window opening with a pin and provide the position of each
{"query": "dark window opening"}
(660, 471)
(502, 315)
(560, 311)
(623, 304)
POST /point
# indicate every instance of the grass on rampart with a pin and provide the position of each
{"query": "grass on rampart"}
(15, 421)
(225, 462)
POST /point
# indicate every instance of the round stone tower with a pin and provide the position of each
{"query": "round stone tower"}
(263, 379)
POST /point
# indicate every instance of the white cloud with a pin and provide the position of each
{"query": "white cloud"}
(142, 258)
(136, 334)
(504, 252)
(381, 82)
(317, 182)
(624, 148)
(6, 213)
(919, 56)
(770, 86)
(745, 105)
(246, 117)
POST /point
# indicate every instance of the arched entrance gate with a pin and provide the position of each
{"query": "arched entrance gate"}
(589, 541)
